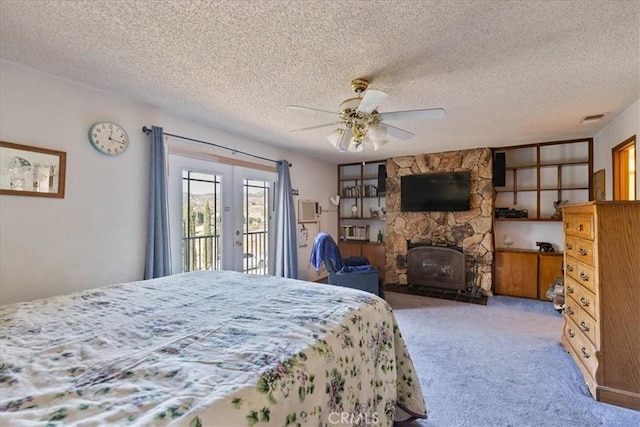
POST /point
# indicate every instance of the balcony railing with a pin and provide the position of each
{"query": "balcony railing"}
(204, 253)
(256, 251)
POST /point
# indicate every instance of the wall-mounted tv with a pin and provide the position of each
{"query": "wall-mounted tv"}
(435, 192)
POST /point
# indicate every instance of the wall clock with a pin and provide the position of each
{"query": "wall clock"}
(108, 138)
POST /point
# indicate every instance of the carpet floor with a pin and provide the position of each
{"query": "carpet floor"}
(497, 365)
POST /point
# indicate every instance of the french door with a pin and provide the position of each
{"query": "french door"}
(219, 216)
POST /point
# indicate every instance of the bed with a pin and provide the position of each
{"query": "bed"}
(212, 348)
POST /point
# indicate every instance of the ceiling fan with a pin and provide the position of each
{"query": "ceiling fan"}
(359, 120)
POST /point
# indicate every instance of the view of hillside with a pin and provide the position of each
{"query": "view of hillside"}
(256, 211)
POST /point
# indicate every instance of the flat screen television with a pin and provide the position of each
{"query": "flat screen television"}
(435, 192)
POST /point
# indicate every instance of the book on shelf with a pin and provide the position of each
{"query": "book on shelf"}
(354, 232)
(357, 191)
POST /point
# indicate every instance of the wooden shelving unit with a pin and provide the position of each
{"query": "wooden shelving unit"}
(539, 174)
(358, 229)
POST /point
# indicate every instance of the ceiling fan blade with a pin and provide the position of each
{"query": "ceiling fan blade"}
(397, 132)
(433, 113)
(315, 127)
(297, 107)
(371, 99)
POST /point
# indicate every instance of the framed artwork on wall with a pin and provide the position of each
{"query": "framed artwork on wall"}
(599, 189)
(31, 171)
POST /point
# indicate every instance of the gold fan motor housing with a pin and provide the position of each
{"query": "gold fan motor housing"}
(359, 85)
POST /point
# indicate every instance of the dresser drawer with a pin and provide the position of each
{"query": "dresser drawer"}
(586, 276)
(581, 348)
(571, 289)
(567, 223)
(583, 226)
(588, 326)
(570, 245)
(583, 251)
(571, 267)
(588, 302)
(571, 309)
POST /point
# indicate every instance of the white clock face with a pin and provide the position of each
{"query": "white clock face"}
(109, 138)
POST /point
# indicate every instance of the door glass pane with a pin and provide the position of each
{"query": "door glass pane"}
(201, 214)
(256, 226)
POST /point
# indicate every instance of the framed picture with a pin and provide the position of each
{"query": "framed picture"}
(599, 189)
(31, 171)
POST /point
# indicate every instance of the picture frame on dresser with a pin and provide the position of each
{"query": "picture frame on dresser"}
(31, 171)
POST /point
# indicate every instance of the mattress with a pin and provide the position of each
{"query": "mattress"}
(212, 348)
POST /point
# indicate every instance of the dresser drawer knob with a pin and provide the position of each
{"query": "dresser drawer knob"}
(569, 246)
(584, 326)
(584, 276)
(584, 353)
(569, 267)
(580, 227)
(583, 252)
(566, 225)
(570, 311)
(571, 333)
(570, 289)
(584, 301)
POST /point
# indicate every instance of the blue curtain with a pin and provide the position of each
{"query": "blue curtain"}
(286, 258)
(158, 262)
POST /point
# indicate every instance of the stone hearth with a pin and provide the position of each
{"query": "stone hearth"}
(470, 230)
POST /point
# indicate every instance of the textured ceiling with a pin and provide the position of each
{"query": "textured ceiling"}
(506, 72)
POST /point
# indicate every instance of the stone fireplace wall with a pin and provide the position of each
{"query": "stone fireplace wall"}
(471, 230)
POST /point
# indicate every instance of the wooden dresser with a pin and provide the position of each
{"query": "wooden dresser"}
(602, 297)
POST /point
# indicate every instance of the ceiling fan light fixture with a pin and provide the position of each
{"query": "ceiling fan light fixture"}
(334, 137)
(377, 132)
(355, 148)
(360, 121)
(377, 143)
(345, 140)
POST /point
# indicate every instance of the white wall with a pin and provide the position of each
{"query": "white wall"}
(96, 235)
(621, 128)
(320, 192)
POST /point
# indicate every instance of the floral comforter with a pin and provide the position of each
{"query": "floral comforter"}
(206, 349)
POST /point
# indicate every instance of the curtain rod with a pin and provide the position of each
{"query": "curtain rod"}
(233, 150)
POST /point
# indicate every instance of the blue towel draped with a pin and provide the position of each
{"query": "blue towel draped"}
(325, 247)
